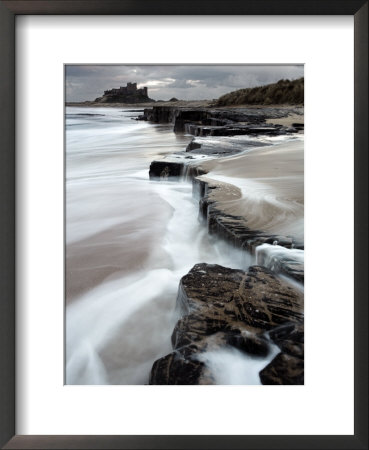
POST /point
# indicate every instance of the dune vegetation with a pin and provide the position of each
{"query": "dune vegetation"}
(283, 92)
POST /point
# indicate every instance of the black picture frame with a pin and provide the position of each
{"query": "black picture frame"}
(8, 11)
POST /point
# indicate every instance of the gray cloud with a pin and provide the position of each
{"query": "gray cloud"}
(190, 82)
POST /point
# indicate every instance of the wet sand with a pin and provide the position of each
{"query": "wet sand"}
(287, 121)
(271, 182)
(114, 252)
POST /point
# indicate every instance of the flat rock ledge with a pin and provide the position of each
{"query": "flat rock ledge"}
(167, 170)
(234, 229)
(224, 308)
(220, 121)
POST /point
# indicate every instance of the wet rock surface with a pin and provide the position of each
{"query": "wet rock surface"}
(177, 369)
(215, 116)
(290, 339)
(167, 170)
(164, 170)
(283, 264)
(222, 122)
(234, 230)
(230, 228)
(284, 369)
(232, 130)
(221, 147)
(223, 307)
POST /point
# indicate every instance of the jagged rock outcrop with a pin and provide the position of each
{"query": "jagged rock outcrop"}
(221, 147)
(159, 114)
(224, 307)
(232, 130)
(282, 262)
(219, 122)
(288, 366)
(290, 339)
(193, 146)
(234, 229)
(178, 116)
(284, 369)
(173, 170)
(298, 126)
(164, 170)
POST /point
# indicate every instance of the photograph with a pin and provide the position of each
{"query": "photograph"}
(184, 224)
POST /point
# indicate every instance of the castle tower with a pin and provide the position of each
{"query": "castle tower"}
(131, 87)
(128, 94)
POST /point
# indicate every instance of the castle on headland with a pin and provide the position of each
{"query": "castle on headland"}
(127, 94)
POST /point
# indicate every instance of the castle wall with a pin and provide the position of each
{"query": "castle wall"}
(130, 91)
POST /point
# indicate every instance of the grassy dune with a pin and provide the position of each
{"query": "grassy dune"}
(282, 92)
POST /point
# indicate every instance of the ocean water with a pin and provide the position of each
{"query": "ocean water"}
(129, 240)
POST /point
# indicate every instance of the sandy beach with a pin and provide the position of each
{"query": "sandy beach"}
(131, 239)
(102, 256)
(287, 121)
(265, 186)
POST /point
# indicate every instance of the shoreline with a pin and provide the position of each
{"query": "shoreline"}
(295, 113)
(238, 315)
(228, 309)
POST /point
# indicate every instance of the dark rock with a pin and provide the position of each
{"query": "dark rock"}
(220, 122)
(221, 147)
(171, 170)
(192, 146)
(193, 328)
(176, 369)
(232, 130)
(284, 369)
(173, 99)
(141, 117)
(290, 339)
(184, 116)
(226, 307)
(256, 298)
(165, 170)
(248, 343)
(160, 114)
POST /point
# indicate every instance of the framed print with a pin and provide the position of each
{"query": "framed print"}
(60, 387)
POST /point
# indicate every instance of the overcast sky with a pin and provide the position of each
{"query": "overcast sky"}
(164, 82)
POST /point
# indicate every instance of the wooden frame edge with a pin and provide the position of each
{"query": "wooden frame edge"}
(8, 11)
